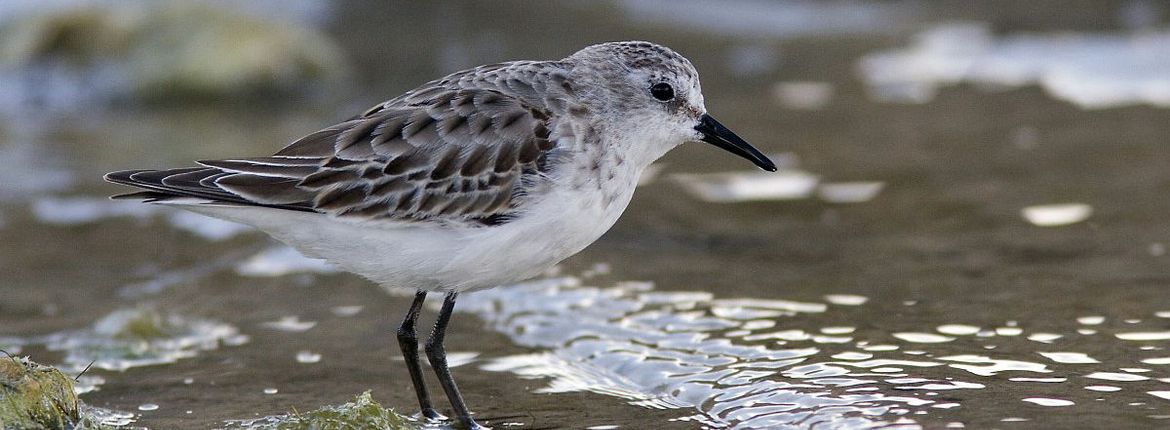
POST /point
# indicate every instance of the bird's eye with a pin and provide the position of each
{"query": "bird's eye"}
(662, 91)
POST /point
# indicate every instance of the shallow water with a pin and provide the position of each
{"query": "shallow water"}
(982, 258)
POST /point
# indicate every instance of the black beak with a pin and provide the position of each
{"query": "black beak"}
(716, 134)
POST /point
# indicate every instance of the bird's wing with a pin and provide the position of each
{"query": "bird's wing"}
(457, 154)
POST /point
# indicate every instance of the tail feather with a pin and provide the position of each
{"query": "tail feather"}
(146, 196)
(184, 183)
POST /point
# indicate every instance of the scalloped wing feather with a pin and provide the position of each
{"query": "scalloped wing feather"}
(437, 153)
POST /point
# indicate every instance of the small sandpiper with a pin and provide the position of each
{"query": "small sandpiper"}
(484, 177)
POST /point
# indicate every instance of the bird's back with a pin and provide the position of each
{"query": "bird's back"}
(460, 150)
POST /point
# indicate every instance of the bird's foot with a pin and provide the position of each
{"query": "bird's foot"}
(430, 415)
(472, 425)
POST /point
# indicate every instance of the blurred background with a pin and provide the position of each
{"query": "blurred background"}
(969, 228)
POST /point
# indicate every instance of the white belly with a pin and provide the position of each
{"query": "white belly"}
(419, 256)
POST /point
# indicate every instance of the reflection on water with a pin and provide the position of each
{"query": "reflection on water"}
(723, 357)
(101, 419)
(755, 363)
(907, 349)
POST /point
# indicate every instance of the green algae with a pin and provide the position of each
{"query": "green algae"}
(146, 324)
(137, 337)
(362, 413)
(34, 396)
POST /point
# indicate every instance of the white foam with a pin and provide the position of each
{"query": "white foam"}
(1044, 401)
(1056, 380)
(923, 337)
(1114, 376)
(849, 192)
(748, 186)
(1044, 337)
(1091, 70)
(290, 323)
(308, 357)
(957, 329)
(1103, 388)
(130, 338)
(851, 355)
(987, 366)
(1069, 357)
(1091, 320)
(85, 210)
(846, 299)
(1056, 215)
(456, 359)
(347, 311)
(1009, 331)
(1152, 335)
(773, 19)
(803, 95)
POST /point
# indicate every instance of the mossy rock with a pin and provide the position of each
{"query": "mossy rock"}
(33, 396)
(173, 50)
(362, 413)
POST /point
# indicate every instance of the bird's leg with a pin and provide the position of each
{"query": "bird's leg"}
(438, 357)
(408, 341)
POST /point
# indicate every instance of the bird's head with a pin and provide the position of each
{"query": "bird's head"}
(654, 92)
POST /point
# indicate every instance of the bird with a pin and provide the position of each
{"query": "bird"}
(484, 177)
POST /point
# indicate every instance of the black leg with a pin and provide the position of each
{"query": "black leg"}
(438, 357)
(408, 341)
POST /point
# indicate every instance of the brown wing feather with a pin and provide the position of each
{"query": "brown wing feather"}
(452, 154)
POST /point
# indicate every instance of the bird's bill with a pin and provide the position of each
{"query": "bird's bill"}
(716, 134)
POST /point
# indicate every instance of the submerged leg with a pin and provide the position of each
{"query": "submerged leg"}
(408, 341)
(438, 357)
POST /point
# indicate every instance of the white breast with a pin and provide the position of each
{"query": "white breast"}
(563, 220)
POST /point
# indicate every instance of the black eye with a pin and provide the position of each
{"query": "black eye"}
(662, 91)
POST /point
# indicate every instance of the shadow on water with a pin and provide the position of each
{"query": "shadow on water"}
(969, 228)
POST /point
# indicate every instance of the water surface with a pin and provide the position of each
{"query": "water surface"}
(916, 265)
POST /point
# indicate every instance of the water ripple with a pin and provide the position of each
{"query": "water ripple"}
(673, 350)
(755, 363)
